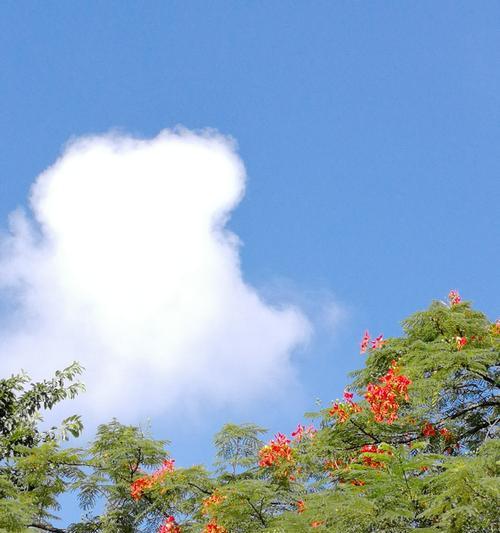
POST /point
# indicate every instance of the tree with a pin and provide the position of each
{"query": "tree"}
(34, 470)
(413, 445)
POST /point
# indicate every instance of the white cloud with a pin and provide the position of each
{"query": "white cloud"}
(128, 267)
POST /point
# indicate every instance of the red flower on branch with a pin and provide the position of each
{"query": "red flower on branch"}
(344, 410)
(213, 527)
(429, 430)
(369, 461)
(364, 342)
(277, 449)
(213, 500)
(303, 431)
(143, 483)
(385, 396)
(378, 342)
(454, 298)
(169, 526)
(461, 342)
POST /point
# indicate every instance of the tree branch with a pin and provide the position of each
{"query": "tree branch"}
(47, 527)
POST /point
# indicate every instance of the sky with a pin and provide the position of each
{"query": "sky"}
(209, 202)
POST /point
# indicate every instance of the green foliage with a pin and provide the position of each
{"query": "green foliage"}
(34, 471)
(237, 446)
(432, 467)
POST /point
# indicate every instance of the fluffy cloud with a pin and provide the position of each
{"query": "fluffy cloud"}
(126, 265)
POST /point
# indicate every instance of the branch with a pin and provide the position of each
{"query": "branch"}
(204, 491)
(489, 403)
(375, 439)
(257, 512)
(47, 527)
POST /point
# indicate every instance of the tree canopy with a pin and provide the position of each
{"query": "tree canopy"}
(412, 445)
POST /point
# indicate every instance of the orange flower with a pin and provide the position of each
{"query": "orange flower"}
(301, 506)
(278, 448)
(384, 397)
(368, 461)
(213, 500)
(214, 527)
(317, 523)
(446, 433)
(429, 430)
(141, 484)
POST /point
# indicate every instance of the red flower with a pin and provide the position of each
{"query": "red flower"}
(348, 396)
(429, 430)
(446, 434)
(364, 342)
(454, 297)
(277, 449)
(301, 506)
(213, 500)
(169, 526)
(213, 527)
(378, 342)
(461, 342)
(139, 486)
(384, 397)
(368, 461)
(303, 431)
(317, 523)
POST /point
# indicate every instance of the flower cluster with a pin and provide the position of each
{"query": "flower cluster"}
(429, 430)
(365, 342)
(301, 506)
(368, 460)
(169, 525)
(304, 432)
(385, 396)
(376, 343)
(144, 483)
(277, 449)
(213, 500)
(460, 342)
(214, 527)
(454, 298)
(344, 410)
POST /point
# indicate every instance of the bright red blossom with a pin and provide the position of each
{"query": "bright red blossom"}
(301, 506)
(378, 342)
(277, 449)
(454, 298)
(303, 431)
(446, 434)
(143, 483)
(385, 396)
(169, 526)
(364, 342)
(369, 461)
(429, 430)
(461, 342)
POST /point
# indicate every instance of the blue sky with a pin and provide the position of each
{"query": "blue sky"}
(369, 131)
